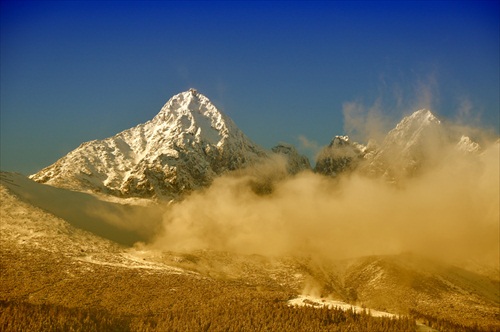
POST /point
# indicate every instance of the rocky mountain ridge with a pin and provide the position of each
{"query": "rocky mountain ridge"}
(190, 142)
(417, 141)
(183, 148)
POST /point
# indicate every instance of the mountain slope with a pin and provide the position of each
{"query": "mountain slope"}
(341, 155)
(418, 141)
(186, 145)
(48, 259)
(412, 283)
(295, 162)
(124, 223)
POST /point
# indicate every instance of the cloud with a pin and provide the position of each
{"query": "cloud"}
(450, 211)
(363, 123)
(309, 145)
(426, 92)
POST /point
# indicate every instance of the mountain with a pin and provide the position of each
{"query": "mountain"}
(125, 221)
(410, 283)
(183, 148)
(418, 141)
(295, 162)
(51, 256)
(341, 155)
(466, 145)
(57, 242)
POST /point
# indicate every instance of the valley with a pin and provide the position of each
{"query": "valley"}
(183, 223)
(47, 261)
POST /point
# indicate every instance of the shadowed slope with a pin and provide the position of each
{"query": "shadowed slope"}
(124, 224)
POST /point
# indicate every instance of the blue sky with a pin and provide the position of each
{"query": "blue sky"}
(76, 71)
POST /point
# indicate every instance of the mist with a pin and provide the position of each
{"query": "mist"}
(123, 224)
(449, 211)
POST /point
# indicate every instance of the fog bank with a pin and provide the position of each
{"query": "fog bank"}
(449, 211)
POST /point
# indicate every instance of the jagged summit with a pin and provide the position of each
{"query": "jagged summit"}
(190, 142)
(186, 145)
(423, 114)
(295, 162)
(415, 124)
(466, 145)
(418, 140)
(339, 156)
(192, 113)
(339, 141)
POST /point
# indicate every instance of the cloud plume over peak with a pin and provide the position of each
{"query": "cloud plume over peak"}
(449, 211)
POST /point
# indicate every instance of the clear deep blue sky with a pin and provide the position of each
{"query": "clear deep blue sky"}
(77, 71)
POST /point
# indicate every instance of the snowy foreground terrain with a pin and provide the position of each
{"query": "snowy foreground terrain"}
(51, 260)
(182, 223)
(308, 300)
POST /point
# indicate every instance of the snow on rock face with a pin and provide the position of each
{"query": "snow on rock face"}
(341, 155)
(466, 145)
(418, 140)
(186, 145)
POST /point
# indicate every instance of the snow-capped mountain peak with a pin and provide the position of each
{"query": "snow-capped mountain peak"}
(344, 141)
(423, 115)
(186, 145)
(339, 156)
(340, 141)
(412, 126)
(192, 113)
(415, 140)
(466, 145)
(418, 140)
